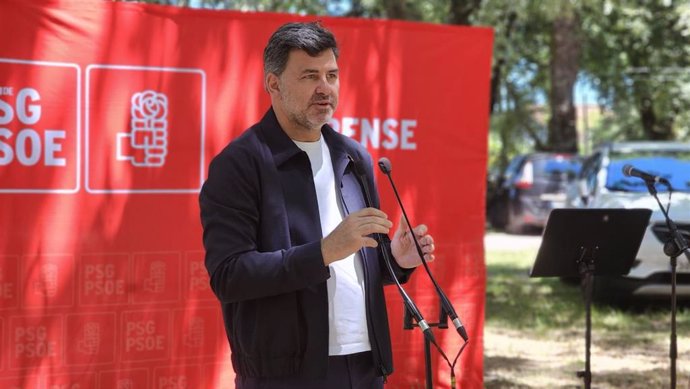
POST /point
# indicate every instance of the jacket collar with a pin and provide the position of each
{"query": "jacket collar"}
(283, 148)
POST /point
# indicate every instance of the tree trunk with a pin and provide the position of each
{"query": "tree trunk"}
(395, 9)
(653, 127)
(461, 10)
(357, 10)
(565, 57)
(497, 69)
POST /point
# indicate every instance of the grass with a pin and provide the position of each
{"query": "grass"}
(518, 302)
(535, 333)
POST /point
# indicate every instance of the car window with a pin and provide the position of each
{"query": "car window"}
(590, 166)
(672, 165)
(556, 168)
(589, 172)
(513, 166)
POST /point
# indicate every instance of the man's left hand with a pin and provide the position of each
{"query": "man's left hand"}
(403, 247)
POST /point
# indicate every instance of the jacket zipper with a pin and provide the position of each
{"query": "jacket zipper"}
(381, 366)
(383, 369)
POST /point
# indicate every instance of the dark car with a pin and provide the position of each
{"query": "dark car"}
(530, 187)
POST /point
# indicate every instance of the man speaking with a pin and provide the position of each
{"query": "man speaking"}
(288, 235)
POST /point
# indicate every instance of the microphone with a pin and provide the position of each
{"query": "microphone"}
(386, 168)
(630, 171)
(360, 173)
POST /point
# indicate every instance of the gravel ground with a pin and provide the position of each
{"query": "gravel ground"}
(538, 359)
(497, 241)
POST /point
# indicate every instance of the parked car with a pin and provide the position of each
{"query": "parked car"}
(529, 188)
(602, 184)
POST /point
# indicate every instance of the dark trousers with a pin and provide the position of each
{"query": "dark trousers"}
(354, 371)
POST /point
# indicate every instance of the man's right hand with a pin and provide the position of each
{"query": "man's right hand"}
(352, 234)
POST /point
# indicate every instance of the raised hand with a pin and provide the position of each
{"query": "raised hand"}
(353, 233)
(403, 247)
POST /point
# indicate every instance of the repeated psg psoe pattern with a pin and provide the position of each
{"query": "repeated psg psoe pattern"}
(109, 115)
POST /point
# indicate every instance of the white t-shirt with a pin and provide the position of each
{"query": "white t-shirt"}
(347, 320)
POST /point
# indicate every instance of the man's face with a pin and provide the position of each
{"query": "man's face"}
(308, 89)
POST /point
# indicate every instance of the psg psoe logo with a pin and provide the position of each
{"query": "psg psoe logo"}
(146, 142)
(90, 339)
(47, 282)
(194, 336)
(144, 129)
(125, 383)
(39, 126)
(155, 282)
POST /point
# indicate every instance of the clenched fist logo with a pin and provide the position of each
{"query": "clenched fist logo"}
(146, 142)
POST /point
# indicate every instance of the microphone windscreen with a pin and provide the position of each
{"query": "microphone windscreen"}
(385, 165)
(627, 170)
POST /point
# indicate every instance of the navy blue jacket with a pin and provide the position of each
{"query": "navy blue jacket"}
(262, 235)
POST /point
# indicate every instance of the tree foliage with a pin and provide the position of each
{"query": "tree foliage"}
(634, 53)
(638, 54)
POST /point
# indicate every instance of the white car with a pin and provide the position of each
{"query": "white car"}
(602, 184)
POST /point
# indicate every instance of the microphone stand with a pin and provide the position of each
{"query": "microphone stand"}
(673, 248)
(360, 174)
(441, 324)
(384, 165)
(410, 308)
(447, 309)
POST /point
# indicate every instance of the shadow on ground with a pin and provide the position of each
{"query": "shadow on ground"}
(535, 334)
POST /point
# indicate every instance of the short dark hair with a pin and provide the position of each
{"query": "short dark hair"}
(311, 37)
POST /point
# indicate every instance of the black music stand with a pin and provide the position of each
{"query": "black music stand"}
(588, 242)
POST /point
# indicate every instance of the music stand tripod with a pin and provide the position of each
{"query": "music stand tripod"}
(588, 242)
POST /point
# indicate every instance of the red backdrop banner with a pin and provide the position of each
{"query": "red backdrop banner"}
(109, 115)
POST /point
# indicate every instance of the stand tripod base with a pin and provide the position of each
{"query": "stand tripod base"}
(586, 376)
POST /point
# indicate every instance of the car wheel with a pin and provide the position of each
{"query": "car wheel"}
(513, 224)
(498, 214)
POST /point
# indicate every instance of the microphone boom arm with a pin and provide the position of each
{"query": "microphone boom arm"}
(385, 166)
(409, 304)
(450, 310)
